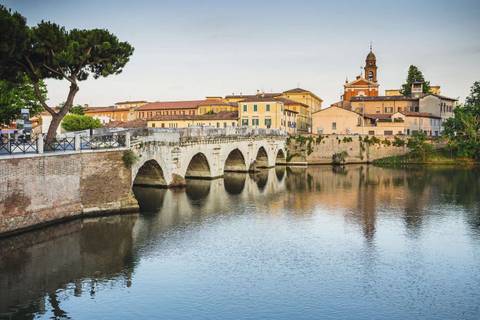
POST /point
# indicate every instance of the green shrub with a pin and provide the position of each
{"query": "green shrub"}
(339, 158)
(129, 158)
(76, 122)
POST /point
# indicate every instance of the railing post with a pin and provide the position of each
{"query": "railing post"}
(40, 143)
(127, 139)
(78, 143)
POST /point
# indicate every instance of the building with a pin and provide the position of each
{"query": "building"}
(298, 101)
(221, 119)
(263, 112)
(336, 120)
(364, 85)
(121, 111)
(168, 108)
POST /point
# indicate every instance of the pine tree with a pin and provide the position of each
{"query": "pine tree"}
(414, 75)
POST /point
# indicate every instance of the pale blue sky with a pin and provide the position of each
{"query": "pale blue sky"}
(190, 49)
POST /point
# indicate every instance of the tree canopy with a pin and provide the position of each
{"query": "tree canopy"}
(463, 130)
(49, 51)
(76, 122)
(17, 96)
(414, 75)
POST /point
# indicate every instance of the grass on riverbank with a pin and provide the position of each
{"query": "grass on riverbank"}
(438, 157)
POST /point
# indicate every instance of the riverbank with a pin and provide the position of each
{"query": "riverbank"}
(439, 157)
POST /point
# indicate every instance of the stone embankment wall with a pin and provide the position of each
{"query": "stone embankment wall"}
(359, 149)
(45, 188)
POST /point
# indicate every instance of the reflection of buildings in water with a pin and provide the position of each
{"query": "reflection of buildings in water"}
(38, 263)
(197, 189)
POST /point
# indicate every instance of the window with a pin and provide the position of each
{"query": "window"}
(388, 133)
(372, 133)
(334, 126)
(218, 124)
(233, 124)
(388, 109)
(163, 125)
(244, 122)
(254, 108)
(153, 125)
(268, 122)
(267, 108)
(245, 108)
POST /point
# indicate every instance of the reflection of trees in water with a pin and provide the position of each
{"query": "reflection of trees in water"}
(234, 182)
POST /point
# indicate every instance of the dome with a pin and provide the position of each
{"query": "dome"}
(371, 56)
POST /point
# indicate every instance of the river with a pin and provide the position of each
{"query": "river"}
(358, 242)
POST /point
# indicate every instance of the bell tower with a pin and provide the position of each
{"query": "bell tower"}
(371, 66)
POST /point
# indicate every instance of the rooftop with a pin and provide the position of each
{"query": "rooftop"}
(165, 105)
(224, 115)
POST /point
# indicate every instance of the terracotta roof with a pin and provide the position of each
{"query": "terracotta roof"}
(103, 109)
(383, 98)
(259, 98)
(420, 114)
(247, 96)
(127, 124)
(166, 105)
(130, 102)
(224, 115)
(215, 102)
(377, 116)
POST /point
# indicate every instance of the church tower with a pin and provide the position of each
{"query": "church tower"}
(371, 66)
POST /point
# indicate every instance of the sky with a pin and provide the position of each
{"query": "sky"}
(192, 49)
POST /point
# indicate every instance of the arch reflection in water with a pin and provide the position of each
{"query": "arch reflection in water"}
(198, 167)
(280, 172)
(149, 199)
(234, 182)
(260, 178)
(197, 189)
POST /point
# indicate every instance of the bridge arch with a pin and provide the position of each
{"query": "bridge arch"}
(261, 158)
(280, 157)
(198, 167)
(235, 162)
(150, 173)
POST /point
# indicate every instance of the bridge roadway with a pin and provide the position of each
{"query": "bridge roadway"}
(167, 157)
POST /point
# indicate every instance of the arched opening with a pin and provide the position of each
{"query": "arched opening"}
(150, 174)
(280, 157)
(234, 182)
(198, 167)
(262, 158)
(235, 162)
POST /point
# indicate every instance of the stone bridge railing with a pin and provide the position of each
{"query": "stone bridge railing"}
(201, 135)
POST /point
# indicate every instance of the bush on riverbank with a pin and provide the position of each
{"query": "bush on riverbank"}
(436, 157)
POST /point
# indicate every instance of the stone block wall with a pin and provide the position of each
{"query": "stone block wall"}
(320, 149)
(45, 188)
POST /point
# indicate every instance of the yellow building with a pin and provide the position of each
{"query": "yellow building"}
(266, 113)
(300, 101)
(107, 114)
(221, 119)
(216, 105)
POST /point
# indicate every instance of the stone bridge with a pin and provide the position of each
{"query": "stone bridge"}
(167, 157)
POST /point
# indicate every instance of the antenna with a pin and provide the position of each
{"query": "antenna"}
(371, 42)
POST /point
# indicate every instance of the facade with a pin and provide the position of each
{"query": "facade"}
(168, 108)
(221, 119)
(262, 112)
(336, 120)
(113, 113)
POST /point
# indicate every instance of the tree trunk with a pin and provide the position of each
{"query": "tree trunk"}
(58, 116)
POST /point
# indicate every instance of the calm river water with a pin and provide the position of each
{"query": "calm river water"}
(320, 243)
